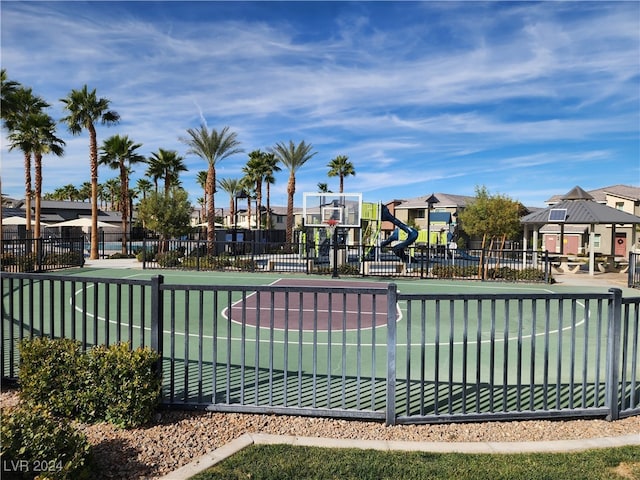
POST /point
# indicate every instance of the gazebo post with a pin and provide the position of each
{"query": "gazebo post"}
(592, 253)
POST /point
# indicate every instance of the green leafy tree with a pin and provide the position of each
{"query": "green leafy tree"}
(492, 217)
(292, 157)
(84, 109)
(168, 215)
(213, 147)
(258, 167)
(119, 153)
(341, 167)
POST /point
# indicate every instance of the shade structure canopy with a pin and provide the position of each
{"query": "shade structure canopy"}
(82, 222)
(578, 208)
(20, 221)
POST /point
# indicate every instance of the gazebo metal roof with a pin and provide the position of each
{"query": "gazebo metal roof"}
(581, 209)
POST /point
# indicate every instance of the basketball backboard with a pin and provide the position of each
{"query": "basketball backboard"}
(318, 208)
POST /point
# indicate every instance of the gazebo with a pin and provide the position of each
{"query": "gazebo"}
(578, 207)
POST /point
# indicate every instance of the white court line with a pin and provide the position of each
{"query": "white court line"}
(348, 344)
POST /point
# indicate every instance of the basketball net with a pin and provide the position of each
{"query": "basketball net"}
(331, 226)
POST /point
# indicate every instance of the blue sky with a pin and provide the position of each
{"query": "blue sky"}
(526, 99)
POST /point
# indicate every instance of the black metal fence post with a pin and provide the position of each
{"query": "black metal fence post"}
(392, 294)
(157, 316)
(614, 335)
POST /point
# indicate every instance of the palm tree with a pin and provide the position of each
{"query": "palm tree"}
(8, 89)
(292, 157)
(84, 192)
(111, 193)
(167, 165)
(85, 109)
(341, 167)
(119, 153)
(323, 188)
(232, 187)
(201, 178)
(144, 186)
(257, 168)
(44, 142)
(21, 123)
(269, 179)
(212, 147)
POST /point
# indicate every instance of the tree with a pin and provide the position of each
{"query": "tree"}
(144, 186)
(212, 147)
(293, 157)
(232, 187)
(167, 165)
(269, 179)
(119, 153)
(323, 188)
(257, 168)
(44, 142)
(493, 217)
(341, 167)
(21, 122)
(84, 192)
(169, 215)
(201, 178)
(84, 110)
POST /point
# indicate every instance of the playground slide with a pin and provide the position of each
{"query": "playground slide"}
(398, 248)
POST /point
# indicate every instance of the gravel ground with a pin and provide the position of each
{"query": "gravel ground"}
(177, 438)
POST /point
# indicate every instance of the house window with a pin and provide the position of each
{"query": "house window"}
(597, 240)
(419, 214)
(619, 205)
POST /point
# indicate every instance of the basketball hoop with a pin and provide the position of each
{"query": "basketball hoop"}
(331, 225)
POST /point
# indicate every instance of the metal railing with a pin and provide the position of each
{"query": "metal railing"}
(356, 260)
(41, 254)
(366, 353)
(634, 270)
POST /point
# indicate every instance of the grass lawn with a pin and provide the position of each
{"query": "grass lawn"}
(283, 462)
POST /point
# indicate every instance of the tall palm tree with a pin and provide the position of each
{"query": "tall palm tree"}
(323, 188)
(144, 186)
(201, 178)
(293, 157)
(112, 193)
(21, 123)
(232, 187)
(269, 179)
(44, 142)
(119, 153)
(212, 147)
(84, 192)
(341, 167)
(257, 168)
(166, 165)
(7, 90)
(85, 109)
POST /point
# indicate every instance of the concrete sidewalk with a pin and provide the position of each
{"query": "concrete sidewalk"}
(113, 263)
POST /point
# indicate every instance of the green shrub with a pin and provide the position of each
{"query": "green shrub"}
(121, 255)
(169, 259)
(127, 391)
(34, 443)
(114, 384)
(67, 258)
(51, 373)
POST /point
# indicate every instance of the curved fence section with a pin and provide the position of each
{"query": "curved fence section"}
(356, 350)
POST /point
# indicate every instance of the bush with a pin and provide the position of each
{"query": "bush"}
(127, 388)
(34, 443)
(74, 257)
(113, 384)
(51, 373)
(169, 259)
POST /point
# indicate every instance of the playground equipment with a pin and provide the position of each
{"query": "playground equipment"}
(398, 248)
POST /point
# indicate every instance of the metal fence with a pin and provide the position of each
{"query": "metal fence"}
(358, 260)
(634, 270)
(41, 254)
(366, 353)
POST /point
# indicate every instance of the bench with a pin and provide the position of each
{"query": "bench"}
(377, 268)
(564, 265)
